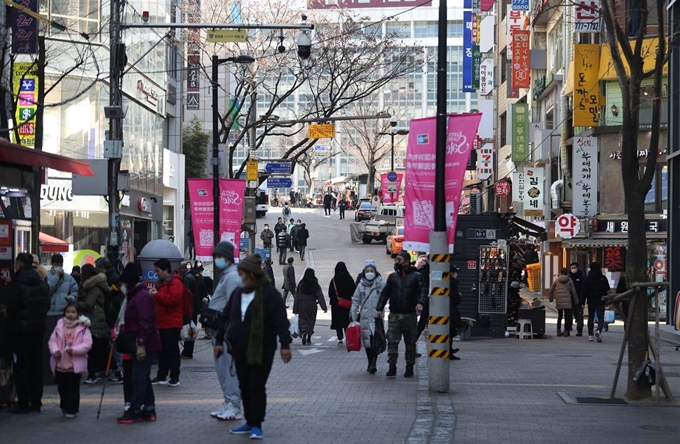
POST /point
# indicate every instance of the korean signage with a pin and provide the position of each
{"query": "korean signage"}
(587, 16)
(485, 5)
(520, 132)
(476, 65)
(567, 226)
(485, 162)
(321, 131)
(226, 35)
(520, 5)
(391, 189)
(467, 52)
(518, 187)
(476, 21)
(521, 77)
(514, 21)
(193, 57)
(25, 86)
(25, 28)
(486, 77)
(585, 177)
(586, 85)
(621, 226)
(533, 192)
(615, 258)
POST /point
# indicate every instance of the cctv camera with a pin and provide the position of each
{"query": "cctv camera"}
(303, 17)
(393, 121)
(282, 49)
(304, 44)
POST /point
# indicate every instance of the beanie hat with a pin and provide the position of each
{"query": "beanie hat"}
(224, 249)
(252, 264)
(406, 256)
(370, 263)
(129, 276)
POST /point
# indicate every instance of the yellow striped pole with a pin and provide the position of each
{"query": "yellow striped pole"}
(438, 339)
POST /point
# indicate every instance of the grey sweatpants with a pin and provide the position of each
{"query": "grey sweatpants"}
(226, 374)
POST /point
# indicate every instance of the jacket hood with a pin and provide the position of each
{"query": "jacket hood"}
(563, 279)
(28, 276)
(82, 320)
(595, 273)
(98, 279)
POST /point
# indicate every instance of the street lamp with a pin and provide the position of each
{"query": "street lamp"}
(400, 132)
(216, 62)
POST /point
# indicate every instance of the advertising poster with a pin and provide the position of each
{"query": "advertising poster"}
(391, 189)
(586, 85)
(201, 201)
(25, 86)
(232, 193)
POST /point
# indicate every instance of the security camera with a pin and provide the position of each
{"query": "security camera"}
(393, 121)
(304, 44)
(303, 17)
(282, 49)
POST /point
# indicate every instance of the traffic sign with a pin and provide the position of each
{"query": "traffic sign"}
(321, 131)
(567, 226)
(251, 170)
(392, 176)
(391, 187)
(278, 168)
(279, 182)
(501, 188)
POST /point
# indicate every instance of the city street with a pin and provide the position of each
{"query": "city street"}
(502, 390)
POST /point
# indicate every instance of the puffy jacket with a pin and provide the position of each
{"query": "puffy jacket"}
(595, 285)
(404, 291)
(564, 293)
(302, 236)
(169, 300)
(140, 317)
(82, 343)
(267, 236)
(366, 298)
(229, 281)
(61, 288)
(92, 303)
(28, 301)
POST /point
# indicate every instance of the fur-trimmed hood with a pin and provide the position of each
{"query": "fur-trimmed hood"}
(99, 279)
(82, 320)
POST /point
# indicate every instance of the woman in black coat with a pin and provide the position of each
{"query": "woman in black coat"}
(342, 286)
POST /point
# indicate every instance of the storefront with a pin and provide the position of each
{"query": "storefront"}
(173, 198)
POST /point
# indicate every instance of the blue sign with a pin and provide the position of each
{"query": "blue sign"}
(467, 52)
(244, 244)
(278, 168)
(392, 176)
(279, 182)
(149, 276)
(520, 5)
(265, 253)
(319, 148)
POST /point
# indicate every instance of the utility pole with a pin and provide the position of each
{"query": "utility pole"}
(438, 352)
(215, 160)
(252, 134)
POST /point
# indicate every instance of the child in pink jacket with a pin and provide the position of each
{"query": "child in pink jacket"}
(69, 344)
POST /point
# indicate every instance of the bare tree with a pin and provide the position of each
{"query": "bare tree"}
(311, 162)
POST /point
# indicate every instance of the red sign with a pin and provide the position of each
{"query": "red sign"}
(567, 226)
(472, 265)
(501, 188)
(521, 65)
(5, 233)
(613, 259)
(5, 275)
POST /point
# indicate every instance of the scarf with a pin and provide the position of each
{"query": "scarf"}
(71, 324)
(256, 335)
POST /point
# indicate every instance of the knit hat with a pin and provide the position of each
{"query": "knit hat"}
(224, 249)
(370, 263)
(406, 256)
(252, 264)
(129, 276)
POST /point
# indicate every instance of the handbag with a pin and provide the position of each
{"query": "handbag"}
(379, 339)
(189, 332)
(126, 342)
(353, 337)
(210, 318)
(342, 302)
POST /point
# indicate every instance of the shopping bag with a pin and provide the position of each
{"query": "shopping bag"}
(353, 337)
(189, 332)
(378, 339)
(293, 328)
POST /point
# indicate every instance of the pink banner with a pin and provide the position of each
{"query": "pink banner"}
(420, 176)
(232, 193)
(390, 197)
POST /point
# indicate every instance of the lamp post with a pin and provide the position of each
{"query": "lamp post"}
(400, 132)
(216, 62)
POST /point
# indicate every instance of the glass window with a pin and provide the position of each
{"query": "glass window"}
(454, 29)
(400, 30)
(425, 29)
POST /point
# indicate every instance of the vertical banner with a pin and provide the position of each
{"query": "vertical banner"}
(513, 22)
(391, 188)
(521, 64)
(518, 186)
(520, 132)
(232, 193)
(486, 77)
(585, 179)
(587, 16)
(420, 176)
(202, 216)
(586, 85)
(25, 86)
(467, 52)
(476, 64)
(486, 5)
(25, 29)
(485, 162)
(194, 57)
(533, 192)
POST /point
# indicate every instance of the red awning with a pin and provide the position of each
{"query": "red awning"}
(17, 154)
(51, 244)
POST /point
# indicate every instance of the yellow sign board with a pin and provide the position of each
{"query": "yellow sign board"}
(227, 35)
(586, 101)
(251, 170)
(25, 86)
(321, 131)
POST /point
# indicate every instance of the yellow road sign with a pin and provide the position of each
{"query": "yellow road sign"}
(251, 170)
(226, 35)
(321, 131)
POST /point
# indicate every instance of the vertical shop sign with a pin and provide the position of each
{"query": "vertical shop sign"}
(521, 77)
(194, 57)
(513, 22)
(475, 29)
(486, 77)
(485, 162)
(518, 187)
(25, 86)
(587, 16)
(586, 85)
(585, 180)
(485, 5)
(25, 28)
(467, 52)
(533, 193)
(232, 192)
(520, 132)
(476, 64)
(614, 258)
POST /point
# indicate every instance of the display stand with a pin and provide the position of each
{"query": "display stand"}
(493, 279)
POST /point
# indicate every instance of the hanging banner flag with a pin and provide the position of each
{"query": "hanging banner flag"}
(521, 64)
(586, 85)
(467, 52)
(420, 176)
(533, 192)
(486, 5)
(587, 16)
(585, 179)
(485, 162)
(520, 5)
(232, 193)
(25, 29)
(513, 22)
(486, 77)
(520, 132)
(25, 86)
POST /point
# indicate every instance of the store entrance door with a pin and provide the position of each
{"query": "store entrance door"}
(141, 232)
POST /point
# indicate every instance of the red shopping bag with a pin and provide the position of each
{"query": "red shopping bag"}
(353, 337)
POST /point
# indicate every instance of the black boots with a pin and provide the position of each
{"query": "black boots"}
(392, 372)
(372, 365)
(409, 372)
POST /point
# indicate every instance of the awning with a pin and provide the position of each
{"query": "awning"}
(19, 155)
(569, 83)
(594, 243)
(648, 54)
(526, 227)
(51, 244)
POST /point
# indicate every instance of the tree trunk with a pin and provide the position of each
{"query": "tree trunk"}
(370, 187)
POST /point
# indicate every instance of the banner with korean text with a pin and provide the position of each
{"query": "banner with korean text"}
(520, 132)
(521, 60)
(534, 187)
(585, 180)
(391, 189)
(467, 52)
(514, 21)
(420, 176)
(586, 85)
(587, 16)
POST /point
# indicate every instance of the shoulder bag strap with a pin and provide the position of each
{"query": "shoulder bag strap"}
(336, 288)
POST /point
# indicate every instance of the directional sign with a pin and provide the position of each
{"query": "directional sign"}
(321, 131)
(319, 148)
(279, 182)
(278, 168)
(226, 35)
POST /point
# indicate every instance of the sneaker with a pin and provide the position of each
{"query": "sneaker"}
(340, 342)
(216, 413)
(409, 372)
(591, 338)
(230, 413)
(70, 415)
(245, 429)
(256, 433)
(126, 407)
(392, 372)
(174, 382)
(147, 415)
(598, 335)
(128, 417)
(156, 381)
(91, 380)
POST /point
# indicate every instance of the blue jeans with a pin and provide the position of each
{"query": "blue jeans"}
(142, 390)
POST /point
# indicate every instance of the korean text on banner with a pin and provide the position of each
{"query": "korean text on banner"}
(586, 85)
(391, 189)
(520, 132)
(232, 192)
(25, 86)
(518, 186)
(467, 52)
(587, 16)
(533, 194)
(514, 21)
(585, 179)
(25, 29)
(420, 176)
(202, 217)
(521, 64)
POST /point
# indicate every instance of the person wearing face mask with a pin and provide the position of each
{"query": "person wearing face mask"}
(576, 276)
(406, 292)
(294, 232)
(267, 235)
(63, 288)
(364, 303)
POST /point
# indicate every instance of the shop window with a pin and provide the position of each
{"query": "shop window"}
(503, 64)
(656, 200)
(503, 129)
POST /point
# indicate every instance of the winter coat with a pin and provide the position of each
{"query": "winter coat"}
(82, 343)
(345, 290)
(595, 285)
(28, 300)
(366, 297)
(289, 277)
(191, 282)
(229, 281)
(305, 306)
(404, 291)
(169, 300)
(267, 236)
(140, 318)
(269, 271)
(279, 228)
(577, 279)
(282, 239)
(92, 303)
(327, 200)
(564, 293)
(302, 236)
(61, 287)
(294, 233)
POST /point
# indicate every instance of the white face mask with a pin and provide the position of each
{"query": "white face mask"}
(370, 276)
(123, 289)
(58, 269)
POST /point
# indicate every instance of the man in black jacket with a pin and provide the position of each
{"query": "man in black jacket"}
(406, 292)
(28, 301)
(595, 285)
(279, 227)
(576, 276)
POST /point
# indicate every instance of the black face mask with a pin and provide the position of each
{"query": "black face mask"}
(398, 268)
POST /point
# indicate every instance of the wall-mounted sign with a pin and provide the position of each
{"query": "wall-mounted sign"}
(587, 16)
(147, 92)
(25, 85)
(567, 226)
(520, 132)
(621, 226)
(585, 178)
(514, 21)
(521, 56)
(321, 131)
(501, 188)
(533, 194)
(615, 258)
(586, 85)
(485, 162)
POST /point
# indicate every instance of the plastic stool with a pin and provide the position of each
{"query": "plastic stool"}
(522, 332)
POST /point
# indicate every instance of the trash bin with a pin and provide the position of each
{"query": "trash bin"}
(534, 277)
(154, 250)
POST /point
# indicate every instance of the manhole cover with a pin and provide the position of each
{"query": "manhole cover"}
(605, 401)
(199, 369)
(661, 428)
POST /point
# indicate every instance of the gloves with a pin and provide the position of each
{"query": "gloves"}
(141, 353)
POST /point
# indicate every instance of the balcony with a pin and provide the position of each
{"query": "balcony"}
(540, 11)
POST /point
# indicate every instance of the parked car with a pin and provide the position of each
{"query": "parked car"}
(384, 222)
(395, 242)
(364, 212)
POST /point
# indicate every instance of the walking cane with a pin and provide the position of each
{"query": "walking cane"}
(106, 378)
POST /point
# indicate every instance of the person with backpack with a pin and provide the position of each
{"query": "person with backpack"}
(192, 306)
(286, 211)
(169, 299)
